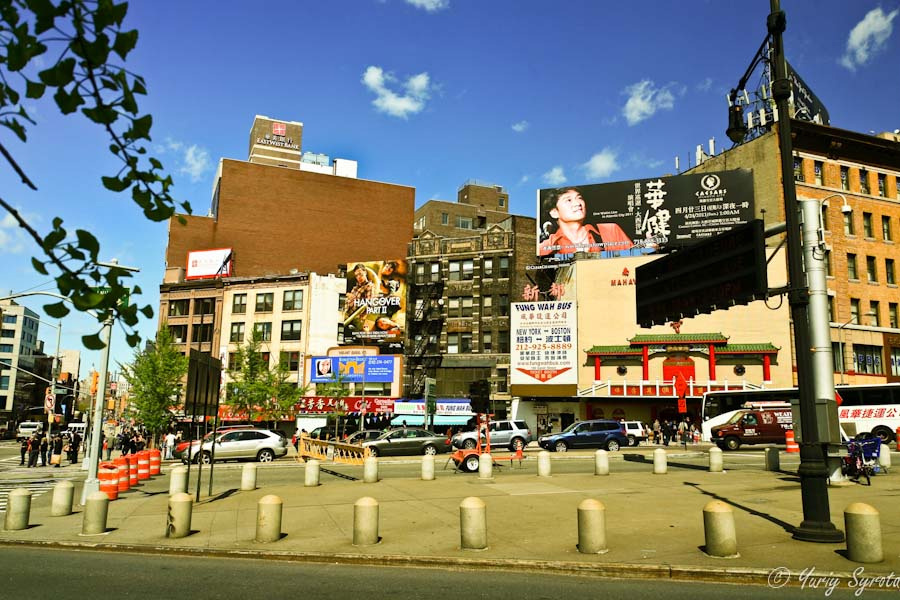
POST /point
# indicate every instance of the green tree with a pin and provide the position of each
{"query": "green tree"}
(76, 49)
(155, 377)
(257, 389)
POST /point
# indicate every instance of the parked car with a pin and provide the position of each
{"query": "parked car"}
(364, 436)
(27, 429)
(511, 434)
(636, 432)
(599, 433)
(753, 426)
(408, 441)
(181, 447)
(241, 444)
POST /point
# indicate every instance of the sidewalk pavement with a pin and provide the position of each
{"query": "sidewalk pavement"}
(654, 522)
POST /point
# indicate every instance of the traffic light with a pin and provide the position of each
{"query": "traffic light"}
(480, 396)
(95, 377)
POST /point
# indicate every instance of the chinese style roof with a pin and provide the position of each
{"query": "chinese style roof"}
(614, 350)
(679, 338)
(748, 349)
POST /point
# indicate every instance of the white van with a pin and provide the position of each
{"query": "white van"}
(27, 429)
(78, 428)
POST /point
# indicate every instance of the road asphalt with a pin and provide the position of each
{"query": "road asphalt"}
(654, 522)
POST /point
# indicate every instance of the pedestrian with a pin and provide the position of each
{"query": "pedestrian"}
(34, 448)
(170, 442)
(74, 444)
(45, 445)
(23, 450)
(657, 432)
(682, 432)
(107, 446)
(56, 451)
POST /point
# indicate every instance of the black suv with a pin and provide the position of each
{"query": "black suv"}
(587, 434)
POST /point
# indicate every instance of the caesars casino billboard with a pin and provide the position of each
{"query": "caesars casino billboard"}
(375, 305)
(642, 216)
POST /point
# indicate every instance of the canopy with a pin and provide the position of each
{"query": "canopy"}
(419, 420)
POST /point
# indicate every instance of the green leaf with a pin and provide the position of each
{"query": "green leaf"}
(125, 42)
(68, 102)
(16, 128)
(140, 127)
(33, 89)
(60, 74)
(92, 342)
(53, 238)
(57, 310)
(147, 311)
(104, 115)
(88, 242)
(39, 266)
(155, 163)
(115, 184)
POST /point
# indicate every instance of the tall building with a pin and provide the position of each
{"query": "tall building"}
(467, 262)
(21, 364)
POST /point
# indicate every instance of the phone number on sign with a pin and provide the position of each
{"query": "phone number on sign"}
(528, 347)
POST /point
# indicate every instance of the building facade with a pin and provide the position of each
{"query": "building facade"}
(21, 367)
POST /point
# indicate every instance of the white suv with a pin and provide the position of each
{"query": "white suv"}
(512, 434)
(252, 444)
(636, 432)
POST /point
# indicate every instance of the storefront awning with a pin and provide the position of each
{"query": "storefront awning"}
(419, 420)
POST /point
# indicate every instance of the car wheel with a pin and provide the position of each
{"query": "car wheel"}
(206, 458)
(561, 447)
(265, 455)
(373, 451)
(429, 450)
(469, 444)
(517, 444)
(732, 443)
(470, 464)
(632, 441)
(612, 445)
(886, 435)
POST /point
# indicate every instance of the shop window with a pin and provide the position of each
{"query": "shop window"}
(867, 359)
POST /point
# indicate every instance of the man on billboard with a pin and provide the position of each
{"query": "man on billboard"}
(356, 303)
(571, 234)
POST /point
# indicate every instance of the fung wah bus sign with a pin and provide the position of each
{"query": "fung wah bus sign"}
(544, 343)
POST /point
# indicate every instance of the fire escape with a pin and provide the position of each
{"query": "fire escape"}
(425, 328)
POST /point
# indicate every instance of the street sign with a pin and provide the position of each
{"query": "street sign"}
(723, 271)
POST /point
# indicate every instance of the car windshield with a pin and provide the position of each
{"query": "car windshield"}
(571, 427)
(735, 418)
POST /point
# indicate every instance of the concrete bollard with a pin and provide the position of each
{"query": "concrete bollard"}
(311, 477)
(660, 465)
(718, 527)
(370, 470)
(601, 462)
(18, 509)
(96, 509)
(248, 477)
(365, 522)
(268, 519)
(543, 464)
(773, 459)
(178, 481)
(178, 524)
(884, 458)
(63, 497)
(715, 460)
(485, 466)
(428, 468)
(862, 524)
(472, 524)
(592, 527)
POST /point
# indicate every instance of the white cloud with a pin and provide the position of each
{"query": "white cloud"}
(430, 5)
(603, 164)
(389, 101)
(196, 162)
(644, 99)
(12, 238)
(705, 85)
(524, 179)
(554, 176)
(868, 38)
(520, 126)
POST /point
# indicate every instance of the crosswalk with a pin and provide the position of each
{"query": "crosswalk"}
(37, 487)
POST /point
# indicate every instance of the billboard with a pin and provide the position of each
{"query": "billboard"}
(807, 106)
(641, 216)
(352, 369)
(544, 343)
(375, 305)
(208, 264)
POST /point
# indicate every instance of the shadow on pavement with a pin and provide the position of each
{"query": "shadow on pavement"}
(786, 526)
(643, 459)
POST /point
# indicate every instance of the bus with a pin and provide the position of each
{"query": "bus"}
(871, 409)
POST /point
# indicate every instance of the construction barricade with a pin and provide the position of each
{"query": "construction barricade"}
(124, 483)
(108, 474)
(132, 469)
(143, 461)
(155, 461)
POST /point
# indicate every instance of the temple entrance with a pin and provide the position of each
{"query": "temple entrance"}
(678, 363)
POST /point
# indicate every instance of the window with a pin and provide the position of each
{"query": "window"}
(342, 301)
(420, 273)
(461, 270)
(265, 302)
(179, 308)
(854, 311)
(851, 267)
(468, 269)
(486, 302)
(817, 166)
(6, 348)
(204, 306)
(452, 343)
(4, 382)
(886, 229)
(179, 333)
(845, 179)
(264, 330)
(445, 218)
(828, 263)
(290, 361)
(881, 188)
(503, 306)
(871, 271)
(798, 169)
(826, 222)
(463, 222)
(848, 224)
(503, 267)
(8, 333)
(867, 225)
(435, 272)
(895, 362)
(9, 318)
(459, 343)
(293, 300)
(467, 306)
(201, 333)
(863, 181)
(465, 342)
(486, 344)
(239, 304)
(454, 270)
(502, 202)
(867, 359)
(502, 385)
(831, 309)
(237, 333)
(889, 271)
(453, 307)
(290, 330)
(892, 315)
(503, 342)
(487, 270)
(874, 313)
(265, 357)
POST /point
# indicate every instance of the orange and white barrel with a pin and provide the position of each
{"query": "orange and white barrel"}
(155, 461)
(132, 469)
(143, 461)
(792, 445)
(108, 474)
(124, 484)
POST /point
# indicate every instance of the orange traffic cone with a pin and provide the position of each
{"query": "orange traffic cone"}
(792, 446)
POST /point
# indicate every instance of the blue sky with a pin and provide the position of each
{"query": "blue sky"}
(430, 93)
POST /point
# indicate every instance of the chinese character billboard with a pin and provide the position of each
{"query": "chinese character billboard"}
(544, 343)
(375, 305)
(642, 216)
